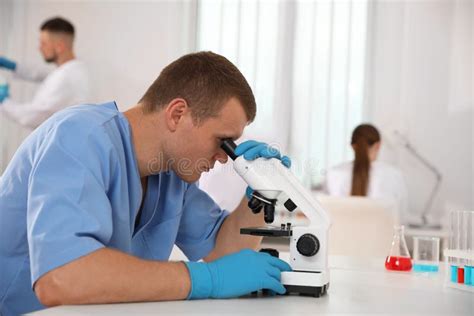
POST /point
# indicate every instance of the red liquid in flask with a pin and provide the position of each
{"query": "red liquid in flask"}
(398, 263)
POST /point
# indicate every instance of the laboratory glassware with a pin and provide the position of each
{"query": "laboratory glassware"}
(398, 258)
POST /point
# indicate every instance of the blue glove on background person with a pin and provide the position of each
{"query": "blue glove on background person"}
(4, 91)
(7, 63)
(252, 150)
(236, 274)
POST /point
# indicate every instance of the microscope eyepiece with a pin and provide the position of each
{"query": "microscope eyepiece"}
(229, 146)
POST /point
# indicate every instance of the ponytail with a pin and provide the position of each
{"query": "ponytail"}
(363, 137)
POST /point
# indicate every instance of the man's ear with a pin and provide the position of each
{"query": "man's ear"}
(175, 112)
(60, 47)
(58, 43)
(62, 42)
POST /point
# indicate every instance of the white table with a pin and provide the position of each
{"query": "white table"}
(357, 286)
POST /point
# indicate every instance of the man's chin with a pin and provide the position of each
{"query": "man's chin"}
(190, 178)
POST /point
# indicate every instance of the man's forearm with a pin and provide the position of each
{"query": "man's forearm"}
(229, 239)
(110, 276)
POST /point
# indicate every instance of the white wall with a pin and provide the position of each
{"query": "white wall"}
(420, 72)
(125, 43)
(421, 83)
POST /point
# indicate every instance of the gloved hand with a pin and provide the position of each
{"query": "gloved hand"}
(252, 149)
(4, 92)
(7, 63)
(236, 274)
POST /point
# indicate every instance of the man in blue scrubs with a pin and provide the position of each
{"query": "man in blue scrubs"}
(94, 200)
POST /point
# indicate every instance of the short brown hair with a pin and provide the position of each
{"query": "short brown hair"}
(58, 25)
(206, 81)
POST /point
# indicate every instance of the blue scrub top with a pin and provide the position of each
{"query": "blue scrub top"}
(73, 187)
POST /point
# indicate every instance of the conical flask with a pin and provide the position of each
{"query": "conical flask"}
(398, 258)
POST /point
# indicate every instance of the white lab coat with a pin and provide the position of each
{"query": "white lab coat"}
(67, 85)
(385, 183)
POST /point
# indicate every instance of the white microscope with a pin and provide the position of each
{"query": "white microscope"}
(273, 185)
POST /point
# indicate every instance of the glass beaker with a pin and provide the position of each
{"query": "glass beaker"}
(398, 258)
(425, 254)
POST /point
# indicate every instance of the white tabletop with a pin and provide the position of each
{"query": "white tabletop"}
(357, 286)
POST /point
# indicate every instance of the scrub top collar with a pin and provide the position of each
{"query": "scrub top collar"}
(149, 205)
(148, 208)
(145, 205)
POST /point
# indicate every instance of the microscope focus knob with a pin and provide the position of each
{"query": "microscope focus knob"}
(308, 245)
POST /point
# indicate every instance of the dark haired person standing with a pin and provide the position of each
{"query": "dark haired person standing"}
(94, 200)
(366, 176)
(66, 85)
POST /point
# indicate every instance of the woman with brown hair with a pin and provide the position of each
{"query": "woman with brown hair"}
(365, 176)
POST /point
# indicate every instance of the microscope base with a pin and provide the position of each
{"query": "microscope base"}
(306, 283)
(316, 291)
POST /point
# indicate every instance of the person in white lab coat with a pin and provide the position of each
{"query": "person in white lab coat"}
(365, 176)
(67, 85)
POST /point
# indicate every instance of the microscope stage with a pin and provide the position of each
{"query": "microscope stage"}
(268, 231)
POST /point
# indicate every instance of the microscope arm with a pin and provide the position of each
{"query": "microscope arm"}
(270, 178)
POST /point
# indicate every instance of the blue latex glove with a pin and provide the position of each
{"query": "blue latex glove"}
(252, 149)
(4, 92)
(7, 63)
(236, 274)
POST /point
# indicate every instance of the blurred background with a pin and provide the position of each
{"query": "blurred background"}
(317, 68)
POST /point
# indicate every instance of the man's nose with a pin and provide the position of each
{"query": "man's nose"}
(221, 156)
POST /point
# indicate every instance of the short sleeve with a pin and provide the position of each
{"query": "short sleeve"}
(69, 214)
(200, 223)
